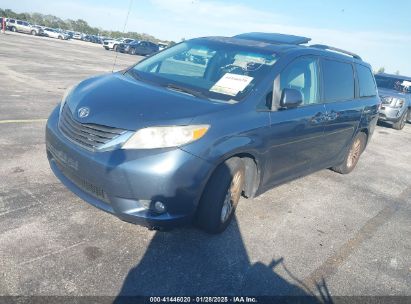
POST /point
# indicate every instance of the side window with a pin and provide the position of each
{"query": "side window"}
(302, 75)
(19, 22)
(338, 78)
(366, 81)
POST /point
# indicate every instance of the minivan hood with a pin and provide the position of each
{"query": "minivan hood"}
(120, 101)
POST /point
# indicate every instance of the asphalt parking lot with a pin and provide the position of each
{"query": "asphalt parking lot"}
(345, 235)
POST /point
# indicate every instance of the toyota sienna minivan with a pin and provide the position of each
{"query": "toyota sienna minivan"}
(181, 135)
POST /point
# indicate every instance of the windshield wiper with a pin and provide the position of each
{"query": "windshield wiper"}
(191, 92)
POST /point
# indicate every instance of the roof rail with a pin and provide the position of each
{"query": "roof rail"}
(331, 48)
(274, 38)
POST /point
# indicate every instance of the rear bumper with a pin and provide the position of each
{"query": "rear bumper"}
(126, 183)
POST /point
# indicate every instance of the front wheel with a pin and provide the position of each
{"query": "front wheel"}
(221, 196)
(13, 29)
(33, 33)
(60, 37)
(409, 116)
(133, 51)
(400, 124)
(353, 154)
(115, 48)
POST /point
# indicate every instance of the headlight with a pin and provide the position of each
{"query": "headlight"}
(165, 137)
(66, 94)
(397, 102)
(386, 100)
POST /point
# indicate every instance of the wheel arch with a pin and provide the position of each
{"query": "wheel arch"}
(366, 131)
(252, 171)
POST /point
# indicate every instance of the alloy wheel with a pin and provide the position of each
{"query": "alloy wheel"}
(232, 197)
(354, 154)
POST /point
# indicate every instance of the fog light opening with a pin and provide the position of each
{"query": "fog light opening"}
(159, 207)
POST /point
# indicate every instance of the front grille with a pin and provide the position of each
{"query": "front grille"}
(89, 136)
(105, 43)
(83, 184)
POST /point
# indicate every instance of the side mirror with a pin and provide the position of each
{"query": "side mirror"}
(291, 98)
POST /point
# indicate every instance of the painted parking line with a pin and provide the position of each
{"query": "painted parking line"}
(22, 120)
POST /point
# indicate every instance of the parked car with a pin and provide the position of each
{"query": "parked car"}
(39, 29)
(395, 93)
(124, 46)
(15, 25)
(168, 142)
(113, 44)
(53, 33)
(78, 36)
(92, 38)
(70, 34)
(162, 46)
(141, 48)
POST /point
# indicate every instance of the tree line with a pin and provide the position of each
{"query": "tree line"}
(78, 25)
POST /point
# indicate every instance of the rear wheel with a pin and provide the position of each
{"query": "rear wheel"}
(399, 125)
(221, 196)
(60, 37)
(353, 155)
(409, 116)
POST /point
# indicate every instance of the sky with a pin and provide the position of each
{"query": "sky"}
(379, 31)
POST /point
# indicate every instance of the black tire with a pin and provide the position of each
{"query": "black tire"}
(353, 154)
(33, 33)
(133, 51)
(399, 125)
(115, 47)
(13, 29)
(60, 37)
(409, 116)
(221, 196)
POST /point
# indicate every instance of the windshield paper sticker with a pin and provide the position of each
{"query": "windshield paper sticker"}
(231, 84)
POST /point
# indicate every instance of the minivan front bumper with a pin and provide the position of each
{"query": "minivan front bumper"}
(127, 183)
(390, 114)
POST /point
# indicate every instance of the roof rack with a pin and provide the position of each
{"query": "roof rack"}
(274, 38)
(331, 48)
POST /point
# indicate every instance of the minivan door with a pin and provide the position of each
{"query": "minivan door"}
(344, 110)
(296, 133)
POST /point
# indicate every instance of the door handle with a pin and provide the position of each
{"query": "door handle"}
(318, 118)
(331, 116)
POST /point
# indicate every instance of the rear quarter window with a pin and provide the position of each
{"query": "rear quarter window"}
(338, 80)
(366, 81)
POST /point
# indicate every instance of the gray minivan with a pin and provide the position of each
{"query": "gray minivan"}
(169, 141)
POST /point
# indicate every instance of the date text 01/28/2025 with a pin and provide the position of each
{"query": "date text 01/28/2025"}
(203, 300)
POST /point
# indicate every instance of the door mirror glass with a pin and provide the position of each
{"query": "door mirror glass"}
(291, 98)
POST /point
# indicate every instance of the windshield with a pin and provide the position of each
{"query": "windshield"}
(397, 84)
(214, 70)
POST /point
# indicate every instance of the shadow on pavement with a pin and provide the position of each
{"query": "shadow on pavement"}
(189, 262)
